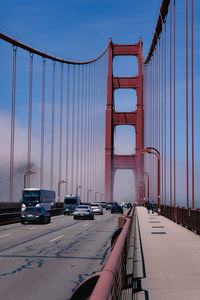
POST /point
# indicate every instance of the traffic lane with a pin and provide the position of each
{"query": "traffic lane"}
(14, 235)
(9, 234)
(56, 267)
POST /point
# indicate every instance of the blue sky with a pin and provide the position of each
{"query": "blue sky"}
(79, 29)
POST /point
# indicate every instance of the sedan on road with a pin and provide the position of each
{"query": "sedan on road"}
(97, 208)
(116, 208)
(83, 212)
(35, 214)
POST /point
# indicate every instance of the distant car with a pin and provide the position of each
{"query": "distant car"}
(128, 205)
(83, 212)
(103, 204)
(35, 214)
(122, 204)
(109, 205)
(97, 209)
(116, 208)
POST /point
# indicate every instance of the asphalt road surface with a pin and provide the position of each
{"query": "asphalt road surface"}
(48, 261)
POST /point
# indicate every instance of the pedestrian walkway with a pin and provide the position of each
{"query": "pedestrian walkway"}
(167, 259)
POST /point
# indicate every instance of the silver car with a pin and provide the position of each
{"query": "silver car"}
(97, 208)
(83, 212)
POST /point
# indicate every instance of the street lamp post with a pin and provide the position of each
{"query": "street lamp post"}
(26, 174)
(59, 183)
(78, 187)
(101, 197)
(88, 195)
(157, 153)
(145, 173)
(95, 196)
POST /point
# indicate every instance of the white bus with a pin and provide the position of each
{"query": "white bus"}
(38, 197)
(70, 203)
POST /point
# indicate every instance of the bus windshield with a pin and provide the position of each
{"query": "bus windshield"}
(31, 196)
(71, 201)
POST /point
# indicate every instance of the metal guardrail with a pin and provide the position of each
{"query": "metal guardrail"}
(187, 217)
(14, 217)
(109, 283)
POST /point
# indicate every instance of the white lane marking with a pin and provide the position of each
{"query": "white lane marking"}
(59, 237)
(4, 235)
(32, 227)
(85, 224)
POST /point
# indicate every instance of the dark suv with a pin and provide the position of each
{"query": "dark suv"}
(35, 214)
(116, 208)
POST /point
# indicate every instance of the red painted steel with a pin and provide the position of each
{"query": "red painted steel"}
(187, 134)
(42, 124)
(192, 89)
(52, 128)
(186, 217)
(67, 132)
(12, 134)
(174, 104)
(44, 55)
(61, 126)
(30, 117)
(159, 27)
(170, 126)
(108, 283)
(112, 161)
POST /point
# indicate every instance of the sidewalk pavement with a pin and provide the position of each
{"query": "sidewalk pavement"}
(167, 259)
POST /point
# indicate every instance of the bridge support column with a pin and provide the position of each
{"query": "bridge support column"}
(113, 118)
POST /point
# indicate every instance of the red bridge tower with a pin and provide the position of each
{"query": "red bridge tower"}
(113, 118)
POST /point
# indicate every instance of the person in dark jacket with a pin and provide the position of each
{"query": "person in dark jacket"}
(153, 206)
(148, 206)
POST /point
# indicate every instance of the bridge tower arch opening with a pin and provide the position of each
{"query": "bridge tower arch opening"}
(124, 188)
(135, 118)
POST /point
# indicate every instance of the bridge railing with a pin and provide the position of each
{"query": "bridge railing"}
(110, 282)
(187, 217)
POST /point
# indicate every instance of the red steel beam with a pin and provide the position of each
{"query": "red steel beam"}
(124, 118)
(124, 162)
(126, 49)
(126, 82)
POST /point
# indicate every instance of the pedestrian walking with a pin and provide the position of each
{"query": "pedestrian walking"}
(148, 205)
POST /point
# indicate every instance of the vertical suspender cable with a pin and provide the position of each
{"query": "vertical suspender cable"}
(42, 125)
(159, 98)
(86, 131)
(162, 106)
(12, 134)
(52, 128)
(82, 131)
(92, 130)
(174, 105)
(77, 128)
(170, 120)
(61, 121)
(192, 88)
(153, 108)
(30, 117)
(88, 140)
(187, 162)
(73, 116)
(165, 119)
(67, 132)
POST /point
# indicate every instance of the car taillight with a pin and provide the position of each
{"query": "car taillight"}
(37, 214)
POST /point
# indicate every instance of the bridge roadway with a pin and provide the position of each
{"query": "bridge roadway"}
(167, 259)
(49, 261)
